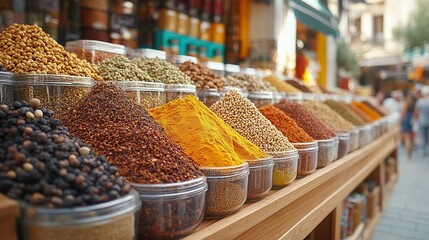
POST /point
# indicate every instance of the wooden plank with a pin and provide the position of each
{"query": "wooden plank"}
(292, 202)
(337, 220)
(371, 224)
(357, 233)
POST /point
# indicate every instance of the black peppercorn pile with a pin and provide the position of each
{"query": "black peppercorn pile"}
(42, 164)
(129, 137)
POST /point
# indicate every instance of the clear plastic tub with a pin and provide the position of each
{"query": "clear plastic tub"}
(175, 91)
(6, 88)
(231, 69)
(171, 210)
(354, 140)
(56, 92)
(279, 96)
(285, 167)
(146, 94)
(216, 67)
(260, 178)
(146, 52)
(344, 145)
(95, 51)
(227, 189)
(209, 96)
(116, 219)
(336, 146)
(326, 152)
(307, 163)
(364, 135)
(261, 99)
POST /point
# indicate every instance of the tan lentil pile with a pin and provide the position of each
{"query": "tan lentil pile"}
(280, 85)
(162, 71)
(248, 82)
(203, 77)
(120, 68)
(244, 117)
(345, 112)
(329, 117)
(28, 49)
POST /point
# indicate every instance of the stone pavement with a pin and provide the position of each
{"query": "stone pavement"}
(407, 212)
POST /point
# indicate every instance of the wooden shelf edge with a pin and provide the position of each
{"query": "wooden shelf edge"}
(357, 233)
(253, 214)
(371, 225)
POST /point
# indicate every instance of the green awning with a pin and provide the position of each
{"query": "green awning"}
(315, 15)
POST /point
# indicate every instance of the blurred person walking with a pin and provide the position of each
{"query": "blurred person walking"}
(407, 124)
(422, 113)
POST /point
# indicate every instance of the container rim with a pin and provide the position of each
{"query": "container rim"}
(315, 148)
(327, 140)
(289, 154)
(51, 79)
(180, 88)
(261, 162)
(223, 172)
(81, 215)
(261, 95)
(171, 190)
(209, 92)
(96, 45)
(139, 85)
(305, 144)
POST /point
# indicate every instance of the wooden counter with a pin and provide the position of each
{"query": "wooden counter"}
(311, 203)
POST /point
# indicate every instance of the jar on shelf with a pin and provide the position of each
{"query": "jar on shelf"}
(260, 178)
(6, 88)
(261, 99)
(308, 157)
(209, 96)
(285, 167)
(95, 51)
(56, 92)
(110, 220)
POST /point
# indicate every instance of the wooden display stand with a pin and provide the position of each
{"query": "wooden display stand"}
(311, 207)
(9, 212)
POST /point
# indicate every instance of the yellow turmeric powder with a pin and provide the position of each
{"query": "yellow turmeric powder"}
(203, 135)
(367, 110)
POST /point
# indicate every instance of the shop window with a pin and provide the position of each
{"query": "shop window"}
(356, 30)
(378, 30)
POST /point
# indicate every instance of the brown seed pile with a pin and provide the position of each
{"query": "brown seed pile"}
(120, 68)
(280, 85)
(248, 82)
(329, 117)
(244, 117)
(162, 71)
(345, 112)
(28, 49)
(299, 85)
(129, 137)
(203, 77)
(306, 120)
(224, 198)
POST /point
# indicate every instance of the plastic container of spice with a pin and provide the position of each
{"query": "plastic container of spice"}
(285, 167)
(308, 156)
(146, 94)
(111, 220)
(261, 99)
(56, 92)
(209, 96)
(171, 210)
(336, 146)
(326, 152)
(354, 140)
(260, 178)
(344, 145)
(175, 91)
(95, 51)
(6, 88)
(227, 189)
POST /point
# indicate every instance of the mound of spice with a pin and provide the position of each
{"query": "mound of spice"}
(378, 109)
(280, 85)
(345, 112)
(242, 115)
(129, 137)
(359, 113)
(42, 164)
(298, 85)
(121, 68)
(203, 135)
(368, 110)
(329, 117)
(248, 82)
(28, 49)
(306, 120)
(162, 71)
(285, 124)
(203, 77)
